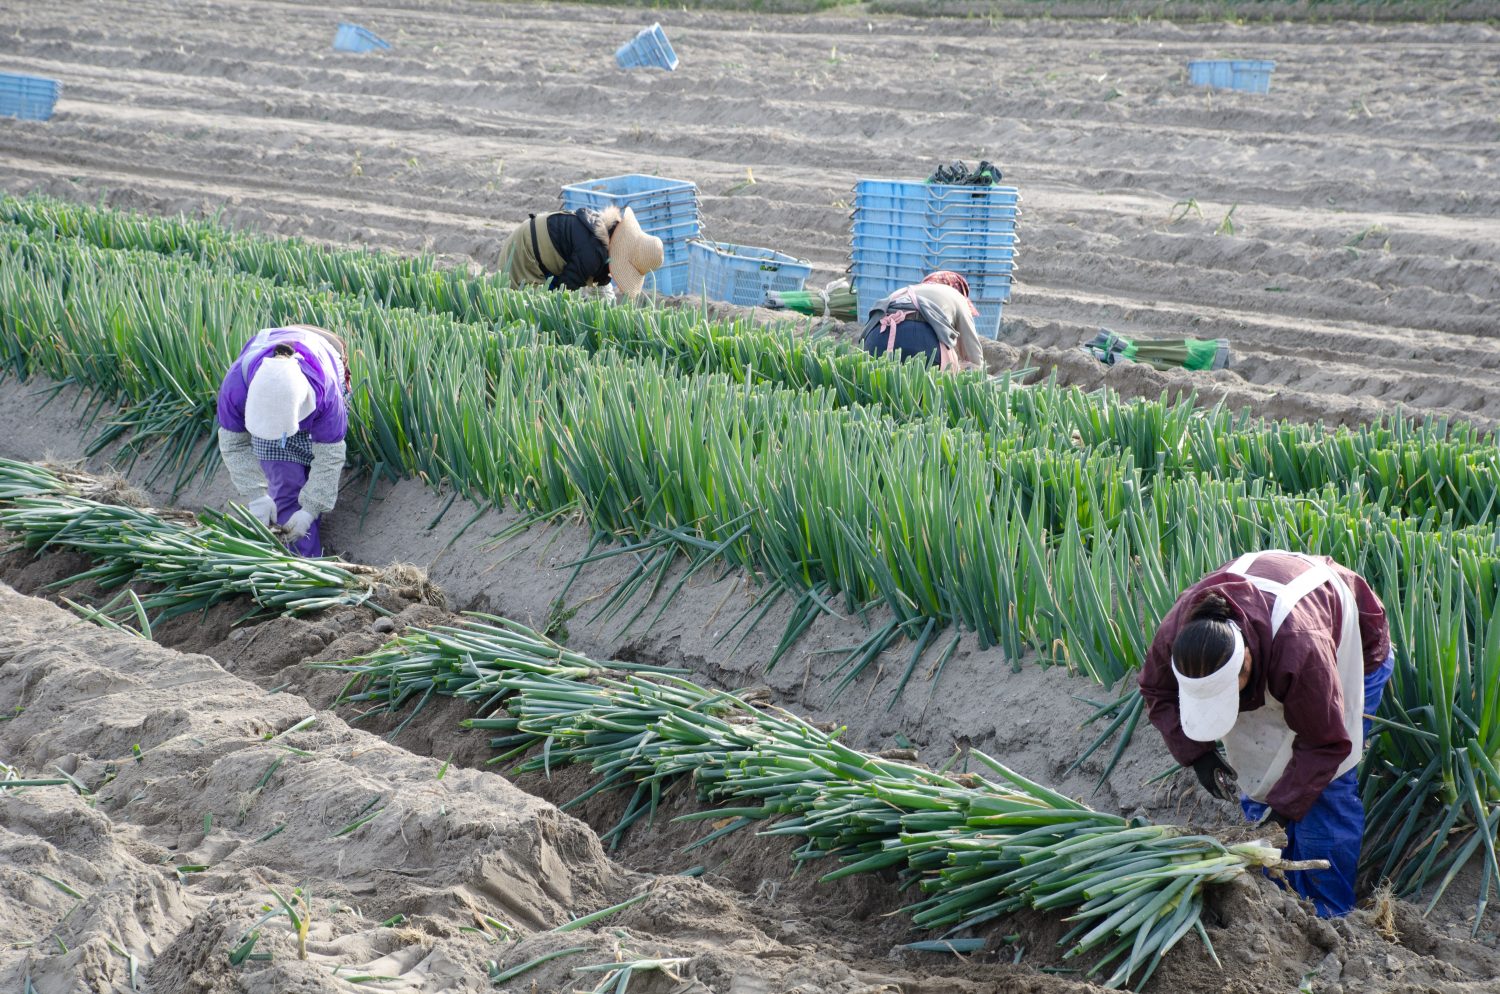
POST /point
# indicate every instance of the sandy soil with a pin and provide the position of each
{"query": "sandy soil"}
(181, 760)
(1363, 270)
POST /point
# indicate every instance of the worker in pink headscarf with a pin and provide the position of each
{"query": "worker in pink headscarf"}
(933, 319)
(283, 414)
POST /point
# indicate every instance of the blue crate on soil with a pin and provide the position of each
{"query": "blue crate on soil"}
(742, 274)
(666, 208)
(1245, 75)
(30, 98)
(647, 50)
(633, 190)
(903, 230)
(353, 38)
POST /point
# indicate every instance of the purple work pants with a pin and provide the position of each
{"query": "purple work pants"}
(284, 482)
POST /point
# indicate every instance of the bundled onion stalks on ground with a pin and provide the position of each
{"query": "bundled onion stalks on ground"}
(191, 564)
(977, 847)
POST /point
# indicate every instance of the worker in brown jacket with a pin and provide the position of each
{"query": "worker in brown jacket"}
(1280, 656)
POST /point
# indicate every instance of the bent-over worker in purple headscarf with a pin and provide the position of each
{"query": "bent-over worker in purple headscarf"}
(282, 421)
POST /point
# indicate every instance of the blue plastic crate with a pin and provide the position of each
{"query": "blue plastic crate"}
(353, 38)
(27, 97)
(883, 280)
(633, 190)
(913, 210)
(742, 274)
(900, 266)
(669, 280)
(1245, 75)
(987, 322)
(994, 262)
(915, 195)
(649, 49)
(924, 225)
(969, 244)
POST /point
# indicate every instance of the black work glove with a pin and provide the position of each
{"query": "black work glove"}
(1280, 819)
(1209, 764)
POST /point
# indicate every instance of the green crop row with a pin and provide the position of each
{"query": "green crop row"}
(1403, 467)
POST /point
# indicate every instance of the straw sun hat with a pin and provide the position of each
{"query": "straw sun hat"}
(632, 254)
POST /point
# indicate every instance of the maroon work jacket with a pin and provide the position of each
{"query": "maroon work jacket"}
(1299, 668)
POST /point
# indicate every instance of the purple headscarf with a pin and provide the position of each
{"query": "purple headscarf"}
(320, 362)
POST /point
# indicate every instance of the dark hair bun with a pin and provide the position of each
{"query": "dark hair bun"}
(1212, 606)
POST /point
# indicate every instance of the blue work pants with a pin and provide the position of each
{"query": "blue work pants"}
(1333, 827)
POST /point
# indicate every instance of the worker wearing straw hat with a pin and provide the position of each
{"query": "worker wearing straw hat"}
(933, 319)
(283, 414)
(1279, 655)
(573, 249)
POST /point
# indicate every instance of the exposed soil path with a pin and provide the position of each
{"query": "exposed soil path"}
(1339, 233)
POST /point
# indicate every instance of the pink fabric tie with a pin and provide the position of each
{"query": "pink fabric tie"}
(948, 360)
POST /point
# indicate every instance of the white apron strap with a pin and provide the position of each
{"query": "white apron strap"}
(1260, 744)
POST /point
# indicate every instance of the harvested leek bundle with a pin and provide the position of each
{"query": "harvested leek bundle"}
(192, 564)
(474, 660)
(837, 301)
(978, 848)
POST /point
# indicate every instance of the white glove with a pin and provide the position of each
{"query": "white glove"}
(262, 509)
(298, 524)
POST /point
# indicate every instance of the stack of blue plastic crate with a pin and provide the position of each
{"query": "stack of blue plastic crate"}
(27, 97)
(647, 50)
(904, 230)
(666, 208)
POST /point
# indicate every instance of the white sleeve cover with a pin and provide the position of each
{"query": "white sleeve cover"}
(239, 460)
(321, 491)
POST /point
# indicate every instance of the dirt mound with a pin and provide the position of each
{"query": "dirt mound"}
(207, 797)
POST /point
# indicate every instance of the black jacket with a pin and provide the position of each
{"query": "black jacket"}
(585, 258)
